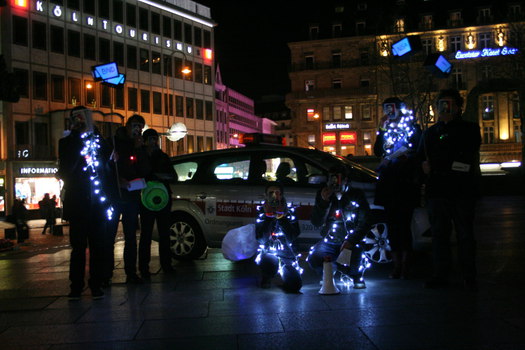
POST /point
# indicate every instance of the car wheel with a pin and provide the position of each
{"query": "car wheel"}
(376, 244)
(186, 239)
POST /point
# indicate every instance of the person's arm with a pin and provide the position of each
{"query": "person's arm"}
(363, 218)
(320, 208)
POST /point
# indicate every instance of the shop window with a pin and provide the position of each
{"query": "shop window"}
(89, 91)
(20, 31)
(209, 143)
(200, 143)
(190, 143)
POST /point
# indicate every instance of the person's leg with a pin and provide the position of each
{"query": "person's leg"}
(394, 238)
(356, 269)
(163, 225)
(463, 217)
(77, 262)
(130, 212)
(269, 264)
(441, 227)
(97, 251)
(319, 252)
(291, 276)
(109, 247)
(147, 219)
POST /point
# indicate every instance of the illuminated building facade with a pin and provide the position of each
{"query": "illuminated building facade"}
(51, 47)
(236, 116)
(345, 68)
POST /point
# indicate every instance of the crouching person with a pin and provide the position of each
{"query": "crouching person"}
(342, 212)
(276, 228)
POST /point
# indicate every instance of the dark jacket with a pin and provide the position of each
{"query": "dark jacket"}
(449, 146)
(161, 168)
(269, 230)
(79, 198)
(400, 178)
(132, 163)
(350, 215)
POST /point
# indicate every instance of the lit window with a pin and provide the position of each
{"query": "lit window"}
(311, 114)
(348, 112)
(309, 85)
(484, 40)
(487, 105)
(399, 25)
(455, 43)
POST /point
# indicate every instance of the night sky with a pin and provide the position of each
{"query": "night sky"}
(251, 44)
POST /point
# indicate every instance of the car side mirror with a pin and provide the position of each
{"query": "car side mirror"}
(317, 179)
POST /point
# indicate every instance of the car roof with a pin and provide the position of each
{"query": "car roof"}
(317, 156)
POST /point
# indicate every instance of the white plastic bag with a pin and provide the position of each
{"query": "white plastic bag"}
(240, 243)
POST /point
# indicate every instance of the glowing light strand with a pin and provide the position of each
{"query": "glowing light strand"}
(398, 134)
(90, 153)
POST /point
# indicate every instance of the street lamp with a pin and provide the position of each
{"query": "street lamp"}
(185, 70)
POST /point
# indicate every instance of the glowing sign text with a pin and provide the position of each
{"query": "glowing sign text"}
(488, 52)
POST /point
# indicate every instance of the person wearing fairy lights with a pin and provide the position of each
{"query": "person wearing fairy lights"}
(398, 190)
(276, 227)
(342, 212)
(83, 157)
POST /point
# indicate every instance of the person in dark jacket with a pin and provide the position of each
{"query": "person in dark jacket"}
(161, 174)
(450, 149)
(88, 211)
(342, 212)
(47, 211)
(131, 167)
(20, 219)
(398, 186)
(276, 227)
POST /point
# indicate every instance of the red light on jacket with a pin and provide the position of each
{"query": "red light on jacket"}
(132, 159)
(20, 3)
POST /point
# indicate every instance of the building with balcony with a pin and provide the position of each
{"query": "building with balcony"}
(51, 47)
(344, 68)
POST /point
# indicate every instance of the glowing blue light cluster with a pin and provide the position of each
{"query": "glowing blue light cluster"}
(398, 134)
(90, 153)
(275, 245)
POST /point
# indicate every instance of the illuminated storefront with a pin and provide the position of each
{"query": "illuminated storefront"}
(340, 139)
(32, 180)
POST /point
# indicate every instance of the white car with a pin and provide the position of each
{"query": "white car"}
(220, 190)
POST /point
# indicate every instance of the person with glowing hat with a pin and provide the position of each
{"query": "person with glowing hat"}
(398, 187)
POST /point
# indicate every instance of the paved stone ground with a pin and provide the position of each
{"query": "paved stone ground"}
(215, 304)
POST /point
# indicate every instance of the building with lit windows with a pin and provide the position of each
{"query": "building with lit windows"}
(52, 46)
(236, 115)
(344, 68)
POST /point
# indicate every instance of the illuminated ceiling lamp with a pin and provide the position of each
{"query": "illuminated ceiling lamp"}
(500, 37)
(441, 43)
(470, 42)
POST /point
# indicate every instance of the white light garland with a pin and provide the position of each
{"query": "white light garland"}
(90, 153)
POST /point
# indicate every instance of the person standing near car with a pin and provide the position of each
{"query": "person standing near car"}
(450, 149)
(276, 227)
(343, 213)
(398, 186)
(156, 206)
(131, 167)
